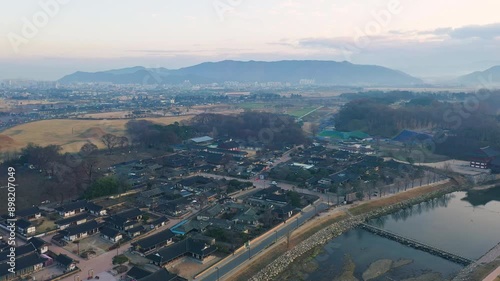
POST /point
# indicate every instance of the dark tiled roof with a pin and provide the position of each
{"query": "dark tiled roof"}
(37, 242)
(136, 229)
(138, 273)
(91, 206)
(72, 219)
(22, 263)
(72, 206)
(22, 223)
(20, 251)
(194, 180)
(64, 260)
(159, 220)
(28, 212)
(162, 275)
(110, 232)
(156, 239)
(285, 209)
(84, 227)
(496, 161)
(181, 248)
(485, 152)
(277, 198)
(228, 145)
(121, 221)
(130, 214)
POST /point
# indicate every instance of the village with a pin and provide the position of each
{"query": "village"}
(207, 200)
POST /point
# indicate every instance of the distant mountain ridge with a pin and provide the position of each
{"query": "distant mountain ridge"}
(482, 78)
(293, 71)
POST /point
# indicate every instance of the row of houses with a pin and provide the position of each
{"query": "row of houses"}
(114, 228)
(30, 258)
(81, 206)
(73, 214)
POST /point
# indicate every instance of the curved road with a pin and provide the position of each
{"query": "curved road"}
(281, 233)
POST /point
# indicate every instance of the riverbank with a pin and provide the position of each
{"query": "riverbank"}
(297, 236)
(360, 214)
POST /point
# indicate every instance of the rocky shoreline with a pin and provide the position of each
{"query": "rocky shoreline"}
(323, 236)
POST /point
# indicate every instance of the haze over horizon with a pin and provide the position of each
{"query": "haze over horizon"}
(423, 38)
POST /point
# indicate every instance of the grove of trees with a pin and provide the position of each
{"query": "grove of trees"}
(273, 130)
(106, 186)
(148, 134)
(460, 126)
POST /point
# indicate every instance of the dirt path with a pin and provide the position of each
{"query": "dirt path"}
(494, 276)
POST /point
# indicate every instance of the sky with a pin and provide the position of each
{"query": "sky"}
(47, 39)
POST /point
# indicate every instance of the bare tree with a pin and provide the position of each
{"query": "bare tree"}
(406, 179)
(89, 166)
(447, 167)
(110, 141)
(123, 141)
(88, 148)
(314, 128)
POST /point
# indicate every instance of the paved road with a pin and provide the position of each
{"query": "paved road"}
(241, 257)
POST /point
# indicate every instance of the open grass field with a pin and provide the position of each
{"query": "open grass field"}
(70, 134)
(301, 111)
(9, 104)
(115, 114)
(3, 105)
(254, 105)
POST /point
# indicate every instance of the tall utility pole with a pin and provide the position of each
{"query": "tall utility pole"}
(247, 245)
(288, 240)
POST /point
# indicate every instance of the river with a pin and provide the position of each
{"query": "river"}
(465, 224)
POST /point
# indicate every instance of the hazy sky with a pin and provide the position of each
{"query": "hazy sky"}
(424, 38)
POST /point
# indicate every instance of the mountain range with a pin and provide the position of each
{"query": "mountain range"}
(322, 72)
(486, 78)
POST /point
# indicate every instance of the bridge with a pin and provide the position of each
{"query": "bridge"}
(417, 245)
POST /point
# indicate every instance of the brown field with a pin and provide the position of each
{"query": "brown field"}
(116, 114)
(8, 104)
(70, 134)
(3, 104)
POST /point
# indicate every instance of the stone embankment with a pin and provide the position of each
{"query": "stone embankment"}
(322, 237)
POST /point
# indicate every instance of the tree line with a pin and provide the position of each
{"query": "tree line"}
(460, 126)
(272, 130)
(148, 134)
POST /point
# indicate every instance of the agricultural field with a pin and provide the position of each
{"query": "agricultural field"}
(301, 111)
(255, 105)
(70, 134)
(3, 105)
(8, 104)
(115, 114)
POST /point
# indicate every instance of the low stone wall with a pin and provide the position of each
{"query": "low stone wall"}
(75, 271)
(323, 236)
